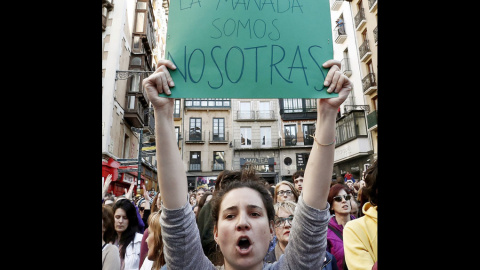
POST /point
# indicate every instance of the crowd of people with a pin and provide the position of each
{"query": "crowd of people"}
(243, 222)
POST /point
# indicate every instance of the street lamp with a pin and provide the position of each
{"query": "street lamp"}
(139, 130)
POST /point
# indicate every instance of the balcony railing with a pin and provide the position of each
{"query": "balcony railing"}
(360, 20)
(375, 34)
(336, 4)
(365, 52)
(346, 69)
(216, 138)
(218, 166)
(340, 34)
(245, 115)
(194, 167)
(369, 83)
(372, 120)
(196, 137)
(237, 144)
(265, 115)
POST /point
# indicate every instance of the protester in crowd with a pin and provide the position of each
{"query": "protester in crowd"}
(339, 199)
(110, 252)
(285, 191)
(298, 180)
(155, 259)
(284, 215)
(105, 186)
(144, 208)
(193, 199)
(242, 211)
(362, 199)
(360, 235)
(349, 176)
(128, 237)
(200, 191)
(156, 206)
(207, 196)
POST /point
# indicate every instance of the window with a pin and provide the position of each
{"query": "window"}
(208, 102)
(218, 129)
(293, 105)
(177, 135)
(195, 129)
(290, 135)
(351, 127)
(266, 137)
(195, 161)
(264, 110)
(176, 110)
(246, 136)
(308, 131)
(302, 159)
(245, 111)
(218, 160)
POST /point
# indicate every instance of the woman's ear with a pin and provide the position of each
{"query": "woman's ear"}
(215, 232)
(272, 230)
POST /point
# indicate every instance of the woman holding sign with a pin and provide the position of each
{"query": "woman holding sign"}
(243, 211)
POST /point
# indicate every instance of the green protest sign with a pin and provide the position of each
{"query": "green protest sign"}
(249, 48)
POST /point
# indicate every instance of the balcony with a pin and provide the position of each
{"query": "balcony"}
(365, 52)
(340, 34)
(150, 127)
(372, 121)
(245, 116)
(194, 167)
(255, 144)
(134, 112)
(336, 4)
(106, 7)
(219, 166)
(372, 5)
(216, 139)
(360, 19)
(196, 137)
(266, 115)
(346, 69)
(375, 35)
(369, 84)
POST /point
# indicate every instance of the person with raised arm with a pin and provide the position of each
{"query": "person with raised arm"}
(243, 211)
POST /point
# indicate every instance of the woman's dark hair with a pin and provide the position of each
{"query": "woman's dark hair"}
(129, 234)
(334, 190)
(108, 223)
(255, 185)
(202, 201)
(370, 190)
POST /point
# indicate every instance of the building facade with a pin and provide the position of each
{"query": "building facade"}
(130, 40)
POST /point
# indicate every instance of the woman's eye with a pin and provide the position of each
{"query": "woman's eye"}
(256, 214)
(229, 216)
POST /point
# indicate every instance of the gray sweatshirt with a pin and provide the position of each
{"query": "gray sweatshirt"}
(305, 249)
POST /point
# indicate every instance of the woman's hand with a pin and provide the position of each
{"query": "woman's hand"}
(160, 82)
(337, 83)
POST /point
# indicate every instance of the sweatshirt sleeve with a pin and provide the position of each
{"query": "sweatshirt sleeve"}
(308, 238)
(181, 238)
(357, 256)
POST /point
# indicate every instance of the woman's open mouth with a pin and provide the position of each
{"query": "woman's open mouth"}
(244, 246)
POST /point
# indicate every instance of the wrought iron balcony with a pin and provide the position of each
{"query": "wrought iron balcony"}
(196, 137)
(265, 115)
(346, 69)
(335, 4)
(340, 34)
(194, 167)
(369, 84)
(255, 144)
(365, 52)
(219, 166)
(360, 19)
(245, 116)
(217, 138)
(372, 120)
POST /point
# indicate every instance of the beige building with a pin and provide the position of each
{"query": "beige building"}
(206, 132)
(131, 35)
